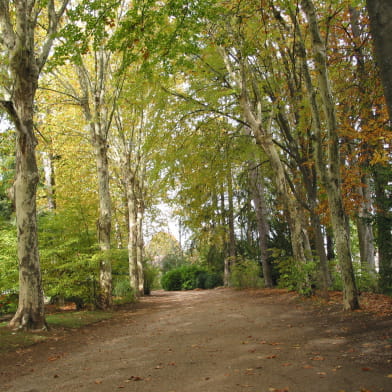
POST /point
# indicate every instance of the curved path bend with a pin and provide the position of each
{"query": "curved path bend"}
(212, 341)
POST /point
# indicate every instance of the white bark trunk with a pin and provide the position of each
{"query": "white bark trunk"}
(47, 163)
(96, 114)
(257, 192)
(330, 169)
(26, 60)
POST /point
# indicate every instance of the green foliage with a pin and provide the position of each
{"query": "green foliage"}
(8, 303)
(151, 275)
(213, 279)
(8, 259)
(172, 280)
(190, 277)
(7, 172)
(172, 261)
(69, 257)
(295, 276)
(122, 290)
(366, 280)
(246, 273)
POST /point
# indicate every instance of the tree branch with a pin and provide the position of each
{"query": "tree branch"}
(54, 19)
(8, 35)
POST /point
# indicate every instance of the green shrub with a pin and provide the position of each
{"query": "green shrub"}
(172, 261)
(122, 290)
(366, 280)
(8, 259)
(246, 274)
(190, 277)
(172, 280)
(150, 274)
(213, 279)
(8, 303)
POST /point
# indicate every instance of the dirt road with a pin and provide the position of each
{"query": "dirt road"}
(212, 341)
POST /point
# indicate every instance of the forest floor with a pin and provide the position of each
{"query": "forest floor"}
(213, 341)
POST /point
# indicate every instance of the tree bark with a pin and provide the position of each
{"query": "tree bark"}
(230, 215)
(382, 176)
(257, 192)
(132, 241)
(98, 118)
(329, 171)
(26, 60)
(104, 222)
(380, 12)
(47, 163)
(364, 216)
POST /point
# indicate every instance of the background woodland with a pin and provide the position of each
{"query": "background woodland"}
(261, 125)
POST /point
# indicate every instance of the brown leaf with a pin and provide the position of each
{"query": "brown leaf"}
(318, 358)
(270, 356)
(135, 378)
(308, 367)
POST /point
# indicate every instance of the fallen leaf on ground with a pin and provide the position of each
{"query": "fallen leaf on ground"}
(134, 378)
(279, 389)
(318, 358)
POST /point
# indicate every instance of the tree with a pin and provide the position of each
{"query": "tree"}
(329, 167)
(22, 24)
(380, 12)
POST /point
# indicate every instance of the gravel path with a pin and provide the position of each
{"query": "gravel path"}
(212, 341)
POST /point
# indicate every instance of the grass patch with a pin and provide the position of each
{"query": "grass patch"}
(14, 340)
(76, 319)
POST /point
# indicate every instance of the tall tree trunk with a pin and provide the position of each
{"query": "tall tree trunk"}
(140, 246)
(223, 223)
(26, 60)
(330, 170)
(382, 176)
(252, 112)
(47, 163)
(364, 216)
(96, 114)
(257, 191)
(380, 12)
(30, 312)
(364, 227)
(230, 215)
(104, 222)
(133, 239)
